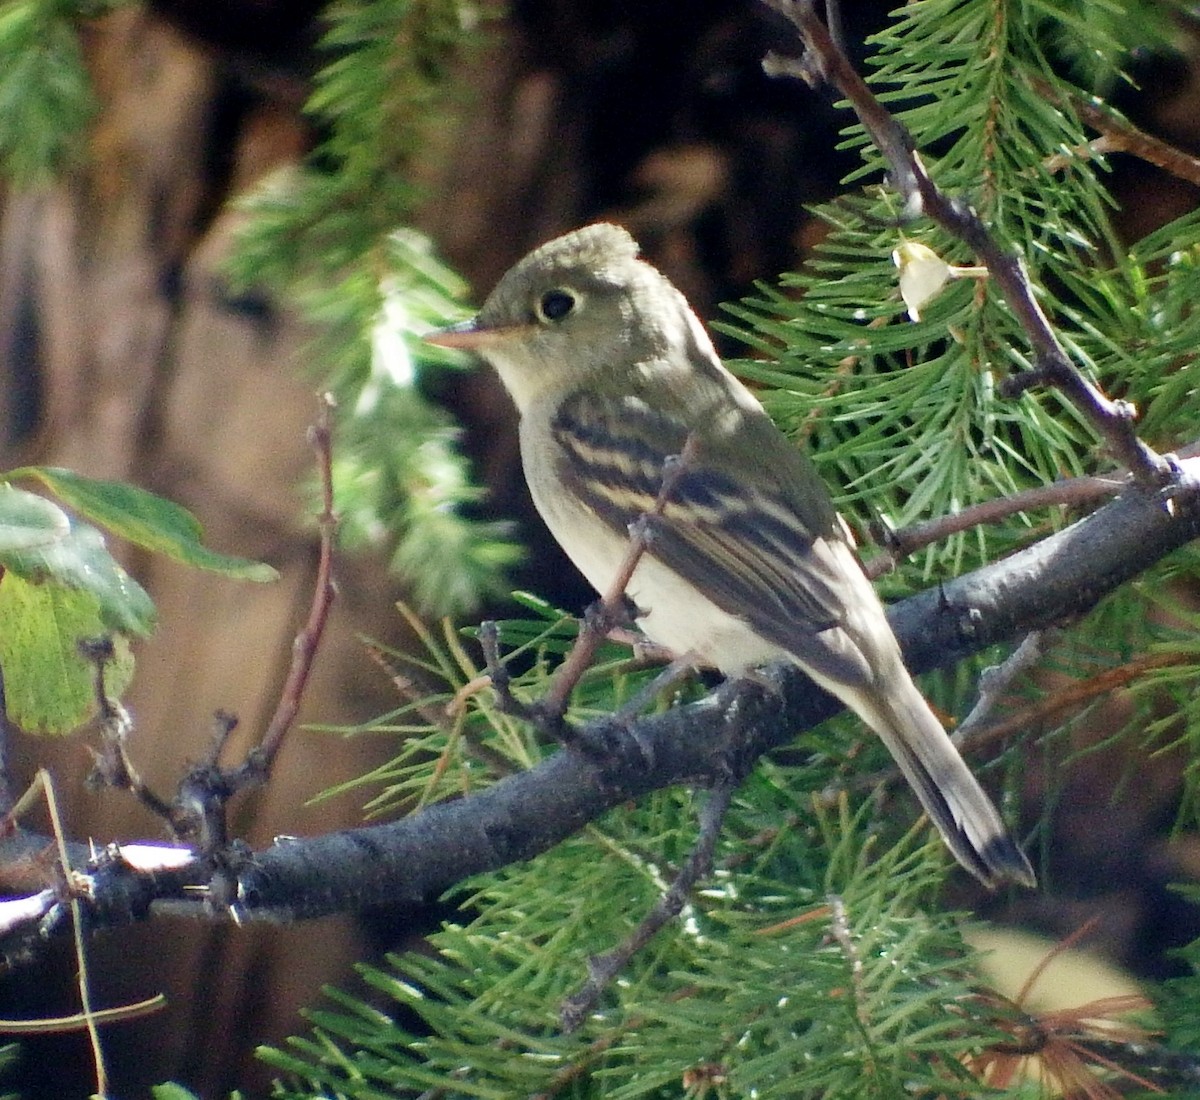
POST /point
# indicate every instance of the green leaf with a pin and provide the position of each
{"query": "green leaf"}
(80, 561)
(48, 685)
(28, 521)
(145, 520)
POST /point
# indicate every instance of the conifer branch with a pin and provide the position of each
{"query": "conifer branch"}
(1112, 420)
(901, 543)
(908, 540)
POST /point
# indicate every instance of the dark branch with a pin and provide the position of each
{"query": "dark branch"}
(417, 859)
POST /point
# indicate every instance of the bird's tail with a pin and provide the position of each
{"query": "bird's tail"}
(955, 802)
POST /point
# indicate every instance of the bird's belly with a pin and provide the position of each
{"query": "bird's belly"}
(673, 613)
(677, 615)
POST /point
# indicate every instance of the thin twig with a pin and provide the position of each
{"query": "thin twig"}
(1121, 136)
(1076, 491)
(994, 681)
(416, 695)
(112, 765)
(1112, 420)
(1088, 150)
(1073, 696)
(304, 648)
(49, 1025)
(908, 540)
(676, 670)
(602, 969)
(447, 718)
(573, 1071)
(200, 800)
(1169, 1068)
(839, 926)
(497, 672)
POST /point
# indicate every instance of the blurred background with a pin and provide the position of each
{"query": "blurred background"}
(124, 354)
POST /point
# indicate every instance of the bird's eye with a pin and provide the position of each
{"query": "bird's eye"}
(554, 305)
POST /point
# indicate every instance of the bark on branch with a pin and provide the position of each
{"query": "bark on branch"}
(417, 859)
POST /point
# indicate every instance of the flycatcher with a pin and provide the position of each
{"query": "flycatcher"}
(748, 562)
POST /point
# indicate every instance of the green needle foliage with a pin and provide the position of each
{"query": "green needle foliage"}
(748, 992)
(46, 99)
(329, 238)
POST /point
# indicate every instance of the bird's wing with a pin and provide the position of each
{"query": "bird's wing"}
(768, 549)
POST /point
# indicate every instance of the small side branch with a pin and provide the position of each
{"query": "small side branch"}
(839, 927)
(602, 969)
(1112, 420)
(1073, 491)
(1121, 136)
(995, 680)
(112, 766)
(257, 766)
(1068, 491)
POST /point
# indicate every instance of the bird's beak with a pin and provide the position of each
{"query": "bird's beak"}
(472, 335)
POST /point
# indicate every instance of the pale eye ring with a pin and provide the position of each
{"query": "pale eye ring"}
(555, 304)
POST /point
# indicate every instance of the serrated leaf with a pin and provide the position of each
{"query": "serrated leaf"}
(48, 686)
(145, 520)
(28, 521)
(80, 561)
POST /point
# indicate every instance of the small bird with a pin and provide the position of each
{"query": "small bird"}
(747, 561)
